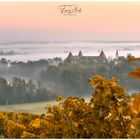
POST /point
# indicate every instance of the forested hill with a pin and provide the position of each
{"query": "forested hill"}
(21, 80)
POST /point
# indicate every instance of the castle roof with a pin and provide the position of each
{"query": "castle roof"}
(102, 55)
(70, 55)
(80, 53)
(79, 57)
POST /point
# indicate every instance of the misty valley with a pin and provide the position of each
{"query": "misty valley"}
(36, 81)
(69, 69)
(56, 98)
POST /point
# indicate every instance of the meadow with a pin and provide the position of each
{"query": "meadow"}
(37, 107)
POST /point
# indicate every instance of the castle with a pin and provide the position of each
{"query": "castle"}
(78, 58)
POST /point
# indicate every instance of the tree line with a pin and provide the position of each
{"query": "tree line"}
(73, 77)
(29, 69)
(110, 109)
(21, 91)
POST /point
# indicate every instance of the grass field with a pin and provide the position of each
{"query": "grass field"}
(38, 107)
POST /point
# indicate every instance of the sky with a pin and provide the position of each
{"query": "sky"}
(42, 21)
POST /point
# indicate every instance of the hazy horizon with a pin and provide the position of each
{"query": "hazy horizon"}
(16, 41)
(37, 30)
(42, 21)
(35, 51)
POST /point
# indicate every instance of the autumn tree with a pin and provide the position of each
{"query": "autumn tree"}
(107, 115)
(110, 113)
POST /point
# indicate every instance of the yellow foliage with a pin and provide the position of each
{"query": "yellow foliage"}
(58, 98)
(135, 73)
(35, 123)
(28, 135)
(109, 114)
(131, 58)
(15, 130)
(136, 103)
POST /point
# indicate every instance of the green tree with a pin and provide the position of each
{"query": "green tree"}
(19, 90)
(30, 90)
(4, 91)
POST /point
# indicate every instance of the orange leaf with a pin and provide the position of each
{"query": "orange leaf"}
(132, 75)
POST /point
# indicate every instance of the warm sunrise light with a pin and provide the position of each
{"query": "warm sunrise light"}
(70, 69)
(97, 20)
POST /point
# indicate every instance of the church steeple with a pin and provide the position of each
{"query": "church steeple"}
(117, 54)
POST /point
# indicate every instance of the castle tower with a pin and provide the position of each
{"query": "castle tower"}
(80, 53)
(70, 58)
(70, 55)
(102, 56)
(117, 54)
